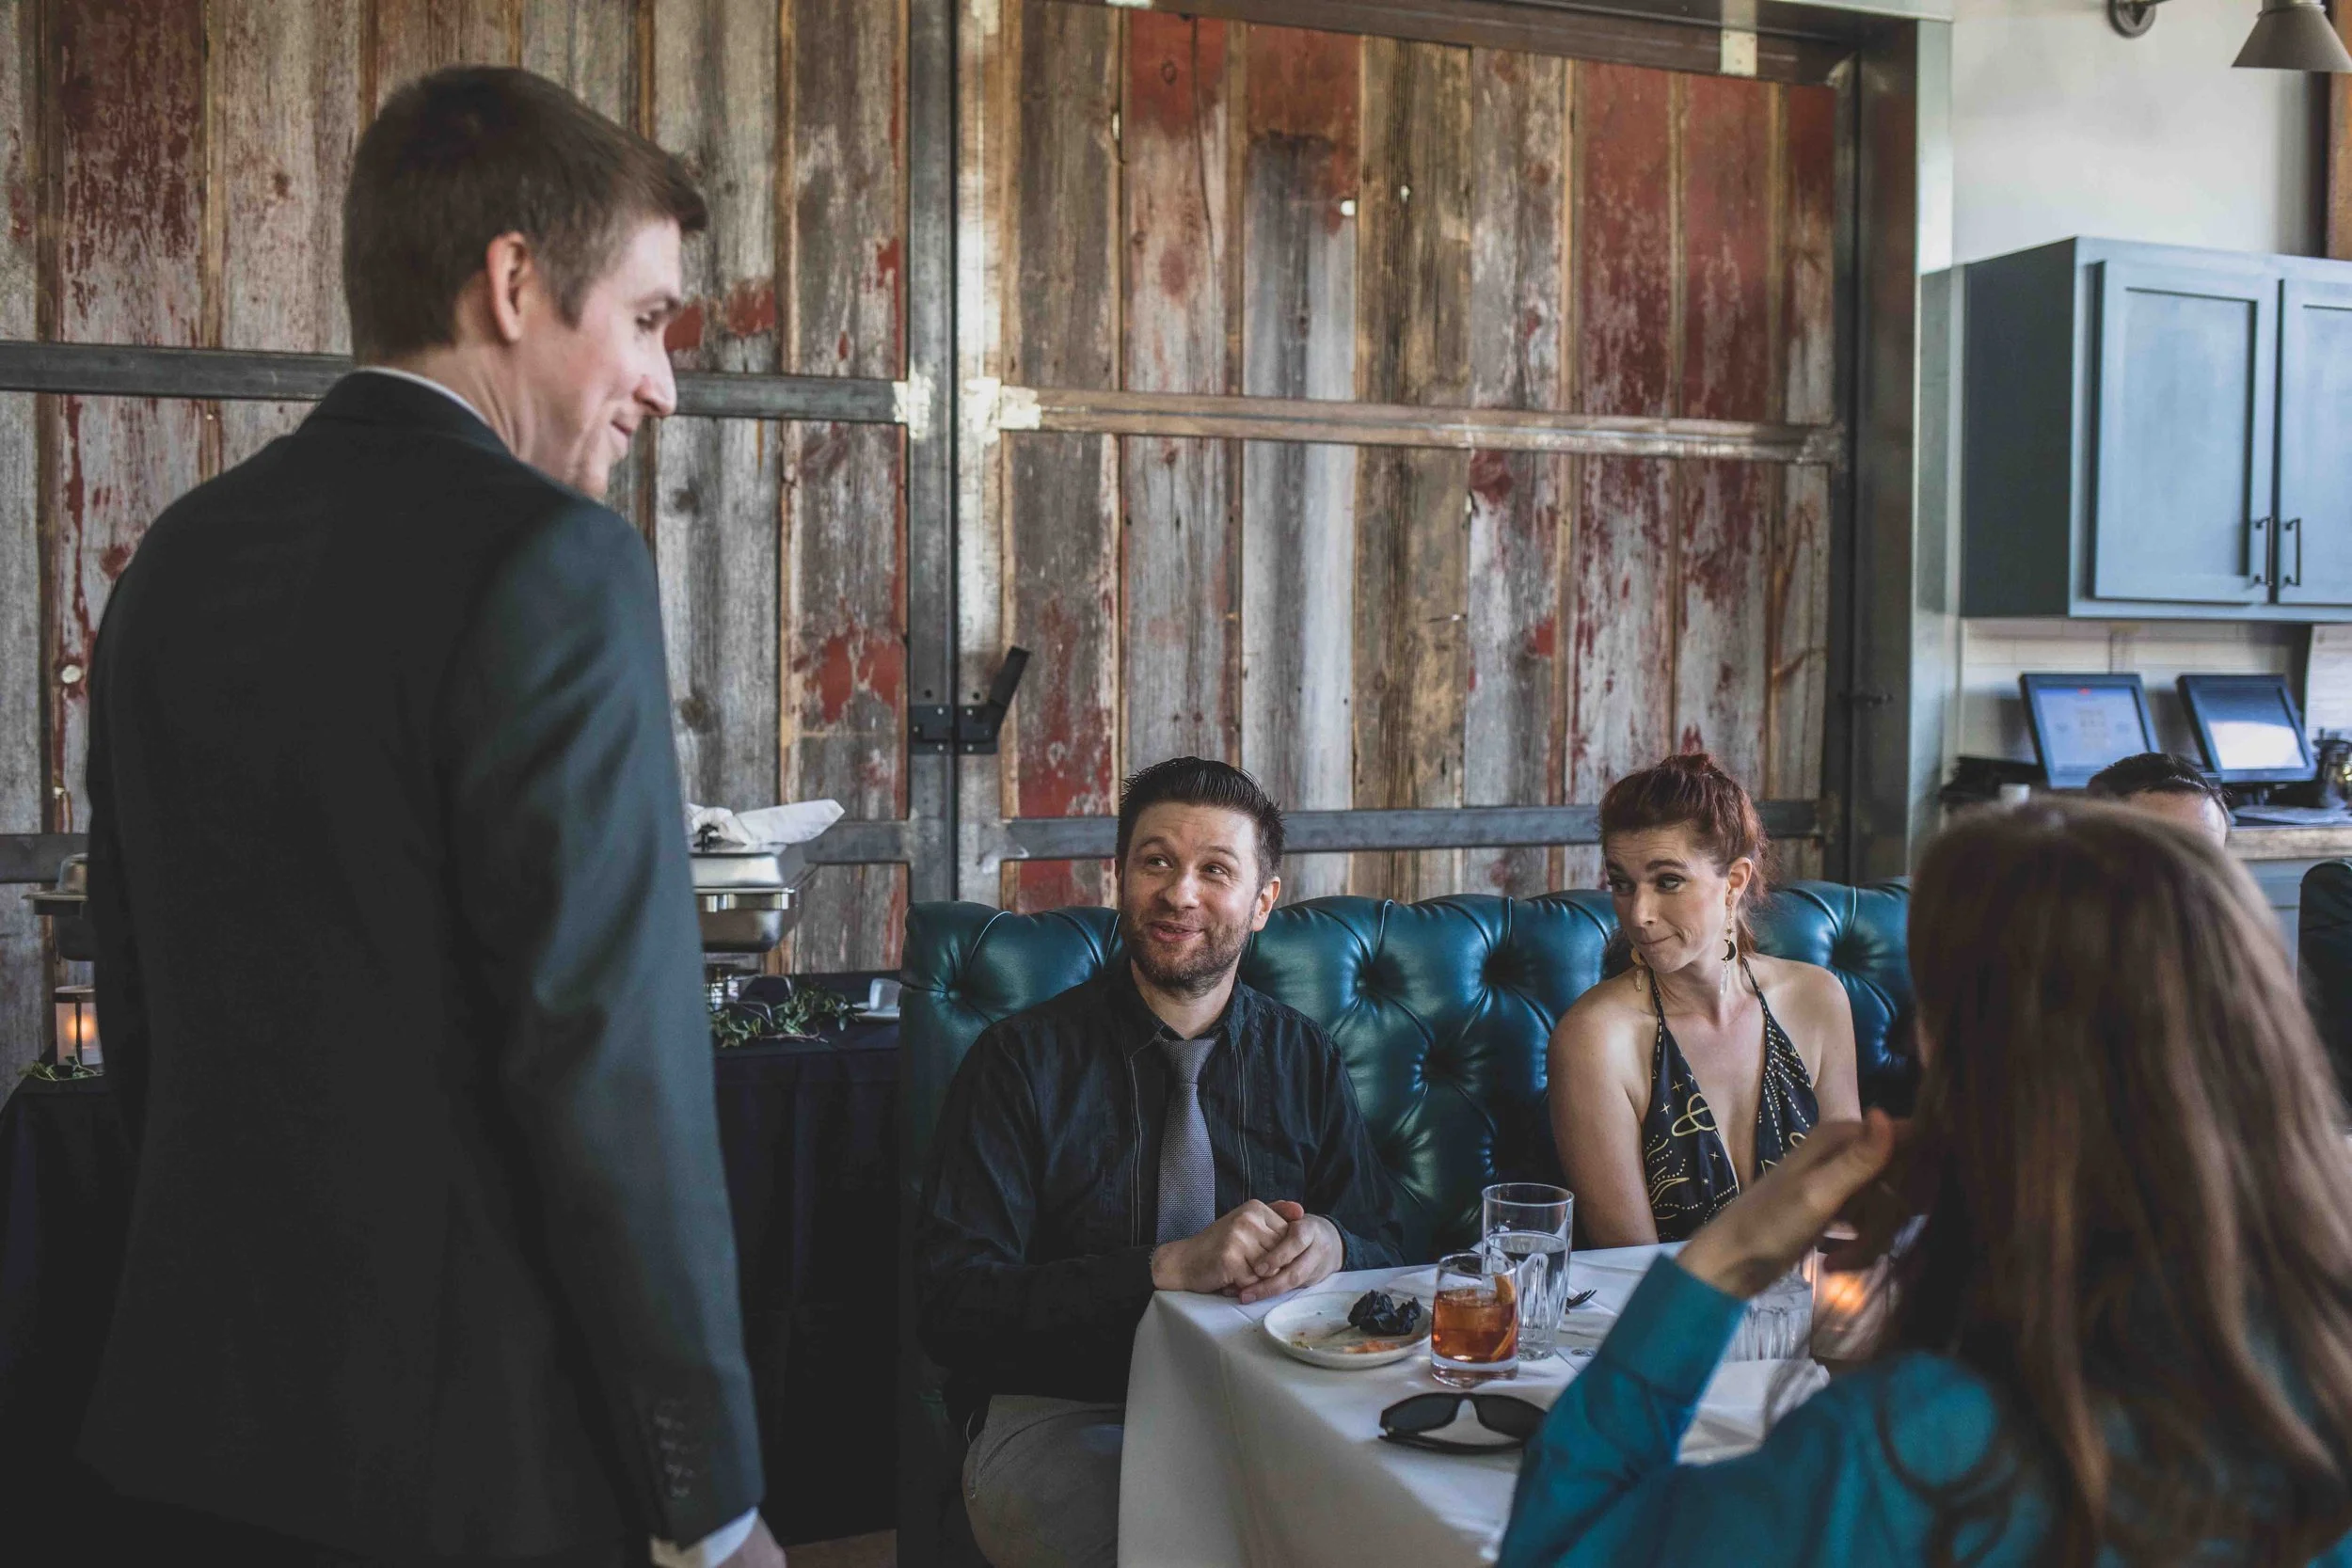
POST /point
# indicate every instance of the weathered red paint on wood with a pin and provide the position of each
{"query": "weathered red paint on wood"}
(845, 672)
(1729, 185)
(1798, 611)
(1298, 339)
(413, 36)
(1180, 564)
(23, 771)
(1728, 182)
(716, 503)
(1621, 568)
(128, 82)
(1512, 729)
(1062, 491)
(1721, 668)
(1412, 346)
(845, 560)
(1625, 228)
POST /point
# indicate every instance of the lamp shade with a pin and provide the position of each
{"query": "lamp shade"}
(2294, 34)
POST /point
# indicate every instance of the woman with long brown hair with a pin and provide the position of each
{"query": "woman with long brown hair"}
(1704, 1062)
(2120, 1327)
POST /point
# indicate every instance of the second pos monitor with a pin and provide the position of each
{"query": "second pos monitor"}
(2248, 728)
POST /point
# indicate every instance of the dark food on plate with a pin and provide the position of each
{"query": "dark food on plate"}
(1379, 1314)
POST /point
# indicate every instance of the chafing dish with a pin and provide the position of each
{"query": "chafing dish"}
(65, 904)
(747, 899)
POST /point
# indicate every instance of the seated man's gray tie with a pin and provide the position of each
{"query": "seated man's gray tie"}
(1188, 1170)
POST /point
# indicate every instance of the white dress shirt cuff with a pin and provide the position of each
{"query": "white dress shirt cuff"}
(711, 1550)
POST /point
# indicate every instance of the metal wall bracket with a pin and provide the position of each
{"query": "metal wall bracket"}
(971, 729)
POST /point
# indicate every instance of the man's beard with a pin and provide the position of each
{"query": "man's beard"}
(1217, 956)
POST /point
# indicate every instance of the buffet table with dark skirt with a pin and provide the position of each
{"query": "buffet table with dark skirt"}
(808, 1130)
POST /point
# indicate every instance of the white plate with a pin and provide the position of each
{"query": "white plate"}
(1310, 1317)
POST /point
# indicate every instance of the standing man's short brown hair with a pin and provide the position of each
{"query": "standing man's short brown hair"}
(461, 156)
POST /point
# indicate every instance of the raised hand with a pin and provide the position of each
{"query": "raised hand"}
(1768, 1228)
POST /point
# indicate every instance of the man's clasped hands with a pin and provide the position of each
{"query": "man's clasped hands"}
(1253, 1251)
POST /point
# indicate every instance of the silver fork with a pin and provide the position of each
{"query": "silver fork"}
(1575, 1299)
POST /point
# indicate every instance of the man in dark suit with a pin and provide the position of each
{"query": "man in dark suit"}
(429, 1257)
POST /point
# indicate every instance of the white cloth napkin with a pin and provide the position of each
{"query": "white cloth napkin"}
(769, 828)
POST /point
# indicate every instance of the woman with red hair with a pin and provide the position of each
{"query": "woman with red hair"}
(1698, 1067)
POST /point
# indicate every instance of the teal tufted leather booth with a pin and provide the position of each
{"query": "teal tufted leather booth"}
(1442, 1010)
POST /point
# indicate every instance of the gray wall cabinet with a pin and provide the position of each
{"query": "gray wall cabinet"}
(2155, 432)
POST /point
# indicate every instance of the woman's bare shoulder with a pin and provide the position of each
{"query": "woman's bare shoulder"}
(1610, 1020)
(1802, 990)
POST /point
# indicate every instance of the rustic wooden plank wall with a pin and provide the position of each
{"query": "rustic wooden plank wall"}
(23, 773)
(1728, 186)
(1180, 569)
(1621, 589)
(1062, 281)
(717, 494)
(1412, 346)
(285, 109)
(1301, 167)
(127, 269)
(1149, 202)
(845, 551)
(1513, 730)
(1409, 223)
(1797, 610)
(173, 171)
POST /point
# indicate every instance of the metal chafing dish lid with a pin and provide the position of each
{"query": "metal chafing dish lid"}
(737, 869)
(70, 893)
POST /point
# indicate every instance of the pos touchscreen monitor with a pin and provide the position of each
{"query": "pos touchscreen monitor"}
(2083, 722)
(2248, 728)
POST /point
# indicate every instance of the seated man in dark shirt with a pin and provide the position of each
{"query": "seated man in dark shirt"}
(1161, 1127)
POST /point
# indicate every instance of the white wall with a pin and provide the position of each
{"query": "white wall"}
(2059, 126)
(2062, 126)
(1995, 652)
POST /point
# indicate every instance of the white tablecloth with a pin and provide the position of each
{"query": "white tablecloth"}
(1236, 1453)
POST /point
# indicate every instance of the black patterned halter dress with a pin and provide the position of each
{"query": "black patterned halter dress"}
(1688, 1169)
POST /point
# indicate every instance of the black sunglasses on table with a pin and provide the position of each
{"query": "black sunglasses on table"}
(1410, 1421)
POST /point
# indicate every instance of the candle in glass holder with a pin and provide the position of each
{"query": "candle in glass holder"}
(1848, 1307)
(77, 1024)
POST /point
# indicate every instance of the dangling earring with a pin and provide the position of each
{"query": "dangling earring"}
(1731, 959)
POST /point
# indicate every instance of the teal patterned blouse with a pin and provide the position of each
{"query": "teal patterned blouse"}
(1600, 1483)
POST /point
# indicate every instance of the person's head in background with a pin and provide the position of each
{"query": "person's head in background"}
(2165, 785)
(505, 240)
(1199, 860)
(2128, 1150)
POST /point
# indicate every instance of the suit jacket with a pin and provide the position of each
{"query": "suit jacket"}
(400, 988)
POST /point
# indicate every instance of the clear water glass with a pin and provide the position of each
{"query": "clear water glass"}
(1778, 1322)
(1530, 1224)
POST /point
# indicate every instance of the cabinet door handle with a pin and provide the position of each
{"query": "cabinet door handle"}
(2258, 546)
(2293, 526)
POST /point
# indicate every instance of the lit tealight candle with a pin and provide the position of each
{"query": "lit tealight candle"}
(77, 1024)
(1846, 1309)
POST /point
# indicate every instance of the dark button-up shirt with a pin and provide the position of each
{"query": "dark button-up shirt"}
(1033, 1256)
